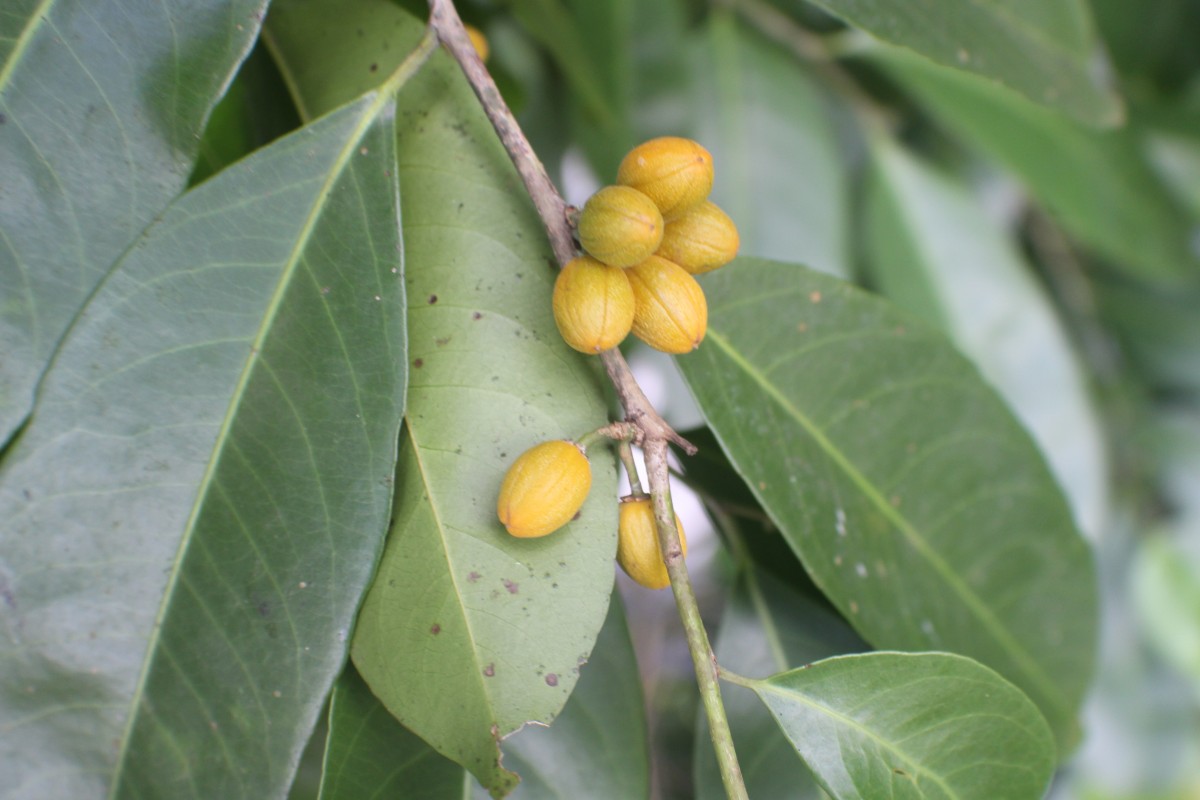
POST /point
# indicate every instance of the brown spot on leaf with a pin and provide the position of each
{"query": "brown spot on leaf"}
(512, 586)
(477, 315)
(473, 576)
(373, 67)
(551, 679)
(489, 670)
(815, 297)
(432, 299)
(418, 362)
(435, 629)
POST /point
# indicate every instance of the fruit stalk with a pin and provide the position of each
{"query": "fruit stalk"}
(653, 433)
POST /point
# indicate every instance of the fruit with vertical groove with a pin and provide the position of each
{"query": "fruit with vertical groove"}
(593, 305)
(544, 488)
(620, 226)
(674, 172)
(638, 552)
(670, 313)
(700, 240)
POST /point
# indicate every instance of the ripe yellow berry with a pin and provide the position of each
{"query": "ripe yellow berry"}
(593, 305)
(675, 173)
(620, 226)
(638, 552)
(670, 313)
(544, 489)
(700, 240)
(478, 41)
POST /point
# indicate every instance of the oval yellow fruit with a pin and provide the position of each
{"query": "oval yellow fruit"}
(700, 240)
(638, 552)
(544, 489)
(478, 41)
(593, 305)
(675, 173)
(670, 313)
(620, 226)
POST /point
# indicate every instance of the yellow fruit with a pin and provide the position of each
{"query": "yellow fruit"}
(675, 173)
(478, 41)
(544, 489)
(670, 313)
(701, 240)
(593, 305)
(620, 226)
(638, 552)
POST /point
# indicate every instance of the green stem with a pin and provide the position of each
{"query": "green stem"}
(703, 659)
(625, 451)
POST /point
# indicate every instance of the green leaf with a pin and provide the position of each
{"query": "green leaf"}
(597, 745)
(919, 725)
(766, 627)
(1097, 184)
(917, 503)
(935, 253)
(460, 609)
(194, 512)
(370, 754)
(595, 748)
(779, 171)
(1044, 49)
(101, 106)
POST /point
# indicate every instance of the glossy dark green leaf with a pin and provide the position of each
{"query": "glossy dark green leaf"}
(919, 505)
(766, 627)
(101, 104)
(370, 754)
(1097, 184)
(195, 511)
(913, 725)
(934, 252)
(779, 171)
(1044, 49)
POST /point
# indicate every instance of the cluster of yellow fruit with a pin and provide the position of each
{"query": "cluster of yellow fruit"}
(544, 490)
(546, 487)
(645, 238)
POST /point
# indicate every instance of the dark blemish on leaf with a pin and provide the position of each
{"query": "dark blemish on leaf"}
(511, 586)
(899, 771)
(578, 514)
(477, 315)
(28, 495)
(554, 586)
(504, 455)
(489, 670)
(373, 67)
(435, 629)
(418, 362)
(520, 275)
(442, 342)
(264, 609)
(432, 299)
(360, 33)
(3, 119)
(552, 679)
(474, 576)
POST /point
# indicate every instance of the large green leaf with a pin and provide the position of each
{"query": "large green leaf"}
(196, 509)
(779, 171)
(913, 725)
(460, 609)
(938, 255)
(766, 627)
(916, 501)
(101, 104)
(1044, 49)
(1097, 184)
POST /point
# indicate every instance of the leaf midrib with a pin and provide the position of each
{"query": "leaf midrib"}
(989, 622)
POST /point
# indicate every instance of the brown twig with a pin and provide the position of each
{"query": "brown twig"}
(652, 433)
